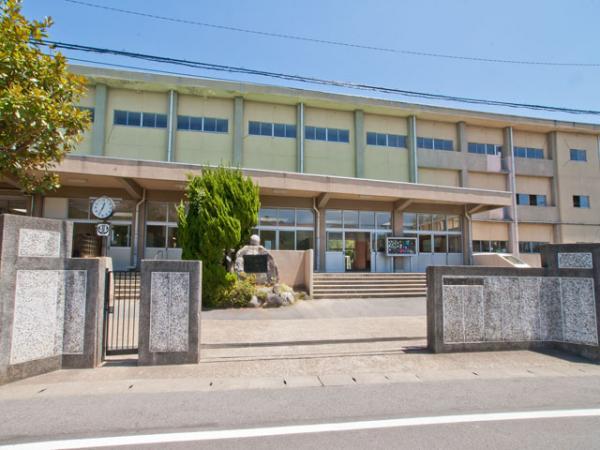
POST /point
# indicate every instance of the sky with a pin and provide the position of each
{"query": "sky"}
(526, 30)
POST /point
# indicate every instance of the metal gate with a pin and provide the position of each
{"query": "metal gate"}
(122, 313)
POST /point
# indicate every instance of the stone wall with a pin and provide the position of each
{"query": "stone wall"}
(171, 300)
(496, 308)
(51, 305)
(295, 268)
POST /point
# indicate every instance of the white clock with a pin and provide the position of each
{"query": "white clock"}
(103, 207)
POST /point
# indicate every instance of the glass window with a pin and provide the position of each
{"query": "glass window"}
(380, 242)
(123, 210)
(148, 120)
(78, 208)
(455, 244)
(333, 218)
(304, 240)
(453, 223)
(222, 125)
(424, 222)
(266, 129)
(409, 221)
(535, 153)
(439, 244)
(344, 135)
(279, 130)
(156, 212)
(383, 220)
(268, 239)
(366, 219)
(498, 246)
(439, 222)
(134, 118)
(332, 135)
(578, 155)
(381, 139)
(304, 218)
(253, 128)
(428, 143)
(371, 138)
(172, 237)
(334, 241)
(286, 217)
(520, 152)
(183, 122)
(540, 200)
(350, 219)
(13, 206)
(172, 213)
(522, 199)
(119, 235)
(210, 124)
(120, 117)
(425, 243)
(310, 132)
(155, 236)
(268, 217)
(290, 131)
(196, 123)
(320, 134)
(287, 240)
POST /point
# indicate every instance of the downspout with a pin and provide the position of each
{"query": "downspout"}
(317, 237)
(470, 237)
(134, 254)
(170, 126)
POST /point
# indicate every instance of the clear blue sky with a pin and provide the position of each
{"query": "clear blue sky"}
(559, 31)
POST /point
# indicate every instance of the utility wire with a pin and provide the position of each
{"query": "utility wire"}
(330, 42)
(305, 79)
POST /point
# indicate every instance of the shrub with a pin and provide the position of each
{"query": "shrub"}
(238, 294)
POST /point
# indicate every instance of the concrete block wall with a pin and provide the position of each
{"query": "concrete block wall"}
(170, 305)
(50, 304)
(499, 308)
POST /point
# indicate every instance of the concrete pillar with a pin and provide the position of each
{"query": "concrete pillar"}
(463, 147)
(359, 143)
(171, 125)
(99, 125)
(140, 231)
(37, 205)
(509, 155)
(467, 236)
(413, 163)
(300, 138)
(322, 240)
(238, 132)
(397, 230)
(553, 151)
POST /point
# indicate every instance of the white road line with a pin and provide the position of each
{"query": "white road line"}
(301, 429)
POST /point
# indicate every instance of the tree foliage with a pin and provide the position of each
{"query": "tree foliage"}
(222, 208)
(39, 123)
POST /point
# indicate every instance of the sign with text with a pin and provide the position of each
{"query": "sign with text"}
(400, 246)
(256, 263)
(103, 229)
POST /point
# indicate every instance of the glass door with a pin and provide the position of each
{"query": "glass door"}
(357, 251)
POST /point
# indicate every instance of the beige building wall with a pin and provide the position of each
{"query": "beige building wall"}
(439, 177)
(485, 135)
(87, 100)
(440, 130)
(201, 147)
(533, 232)
(264, 152)
(386, 163)
(572, 234)
(330, 158)
(135, 142)
(493, 181)
(531, 139)
(490, 231)
(535, 185)
(578, 178)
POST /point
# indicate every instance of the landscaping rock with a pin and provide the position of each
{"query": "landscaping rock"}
(273, 301)
(255, 302)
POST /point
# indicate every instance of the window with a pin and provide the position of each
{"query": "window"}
(581, 201)
(386, 140)
(334, 241)
(120, 236)
(89, 110)
(272, 129)
(14, 206)
(435, 144)
(140, 119)
(286, 228)
(527, 152)
(326, 134)
(578, 155)
(490, 246)
(484, 149)
(161, 225)
(437, 233)
(531, 200)
(530, 246)
(206, 124)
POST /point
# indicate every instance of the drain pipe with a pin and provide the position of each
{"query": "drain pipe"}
(317, 237)
(134, 255)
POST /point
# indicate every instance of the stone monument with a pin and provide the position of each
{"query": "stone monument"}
(254, 259)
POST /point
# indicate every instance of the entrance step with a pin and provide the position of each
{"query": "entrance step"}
(368, 285)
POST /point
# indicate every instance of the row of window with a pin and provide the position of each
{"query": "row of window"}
(435, 144)
(365, 220)
(140, 119)
(386, 140)
(581, 201)
(527, 152)
(484, 149)
(530, 246)
(272, 129)
(531, 199)
(490, 246)
(326, 134)
(207, 124)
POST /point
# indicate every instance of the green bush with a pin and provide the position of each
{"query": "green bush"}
(238, 294)
(222, 208)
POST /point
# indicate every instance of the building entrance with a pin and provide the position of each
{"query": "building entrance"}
(357, 251)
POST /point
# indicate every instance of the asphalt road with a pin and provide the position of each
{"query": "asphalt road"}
(42, 418)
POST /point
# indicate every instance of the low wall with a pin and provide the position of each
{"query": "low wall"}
(498, 308)
(170, 305)
(51, 305)
(295, 268)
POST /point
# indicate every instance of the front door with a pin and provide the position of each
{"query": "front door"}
(357, 251)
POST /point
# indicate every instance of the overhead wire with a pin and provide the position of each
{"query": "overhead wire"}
(306, 79)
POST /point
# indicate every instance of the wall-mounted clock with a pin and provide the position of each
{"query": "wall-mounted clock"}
(103, 207)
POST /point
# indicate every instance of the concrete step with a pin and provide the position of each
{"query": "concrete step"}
(367, 288)
(416, 293)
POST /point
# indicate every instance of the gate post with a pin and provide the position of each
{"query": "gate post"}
(171, 300)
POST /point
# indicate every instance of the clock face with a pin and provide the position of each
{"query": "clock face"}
(103, 207)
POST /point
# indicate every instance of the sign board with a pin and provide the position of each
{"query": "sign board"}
(103, 229)
(255, 263)
(400, 246)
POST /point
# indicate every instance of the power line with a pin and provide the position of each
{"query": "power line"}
(330, 42)
(305, 79)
